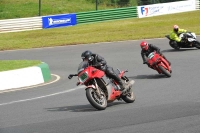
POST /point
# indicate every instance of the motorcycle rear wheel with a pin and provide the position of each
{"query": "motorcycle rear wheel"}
(129, 97)
(164, 71)
(95, 101)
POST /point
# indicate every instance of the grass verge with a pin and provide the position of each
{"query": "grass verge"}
(108, 31)
(6, 65)
(30, 8)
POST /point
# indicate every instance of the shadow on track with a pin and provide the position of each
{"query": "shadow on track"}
(180, 50)
(153, 76)
(81, 108)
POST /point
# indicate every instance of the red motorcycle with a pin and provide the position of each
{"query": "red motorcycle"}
(159, 64)
(100, 89)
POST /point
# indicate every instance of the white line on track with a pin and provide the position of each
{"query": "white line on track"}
(35, 98)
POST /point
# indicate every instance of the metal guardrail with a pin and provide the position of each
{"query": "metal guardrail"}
(21, 24)
(103, 15)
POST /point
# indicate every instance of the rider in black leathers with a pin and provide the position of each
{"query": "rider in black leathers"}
(147, 49)
(100, 63)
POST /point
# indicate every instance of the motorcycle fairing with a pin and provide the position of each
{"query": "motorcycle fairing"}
(191, 39)
(155, 61)
(112, 92)
(165, 64)
(95, 73)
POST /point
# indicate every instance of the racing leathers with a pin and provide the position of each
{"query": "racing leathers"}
(151, 48)
(175, 35)
(100, 63)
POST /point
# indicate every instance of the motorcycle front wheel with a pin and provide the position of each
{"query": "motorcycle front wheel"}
(97, 102)
(197, 45)
(164, 71)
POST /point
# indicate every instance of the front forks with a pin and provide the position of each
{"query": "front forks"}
(98, 91)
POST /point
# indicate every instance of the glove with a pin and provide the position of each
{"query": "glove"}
(70, 76)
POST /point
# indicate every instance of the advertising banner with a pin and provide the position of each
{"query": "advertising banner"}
(59, 21)
(166, 8)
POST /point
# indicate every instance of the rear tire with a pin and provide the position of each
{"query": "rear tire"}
(164, 71)
(174, 45)
(95, 101)
(129, 97)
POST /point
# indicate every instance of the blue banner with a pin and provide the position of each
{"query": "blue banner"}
(59, 21)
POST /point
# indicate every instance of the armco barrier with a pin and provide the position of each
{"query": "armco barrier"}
(103, 15)
(21, 24)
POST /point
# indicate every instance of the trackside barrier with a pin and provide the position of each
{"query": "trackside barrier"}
(59, 20)
(21, 24)
(103, 15)
(34, 23)
(197, 4)
(166, 8)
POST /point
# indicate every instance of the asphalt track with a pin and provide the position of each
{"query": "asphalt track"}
(163, 105)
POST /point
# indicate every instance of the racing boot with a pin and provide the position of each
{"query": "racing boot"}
(123, 86)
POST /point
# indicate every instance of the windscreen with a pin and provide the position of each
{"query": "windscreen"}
(82, 66)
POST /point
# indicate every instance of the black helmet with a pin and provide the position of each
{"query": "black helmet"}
(87, 55)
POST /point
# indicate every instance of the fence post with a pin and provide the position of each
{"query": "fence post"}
(96, 4)
(39, 7)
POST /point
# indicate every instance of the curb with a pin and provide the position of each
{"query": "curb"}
(25, 77)
(45, 71)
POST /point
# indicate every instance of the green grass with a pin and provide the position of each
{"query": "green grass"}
(30, 8)
(17, 64)
(116, 30)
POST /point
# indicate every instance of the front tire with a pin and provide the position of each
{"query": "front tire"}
(95, 101)
(197, 45)
(164, 71)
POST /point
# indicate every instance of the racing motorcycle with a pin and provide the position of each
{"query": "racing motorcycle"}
(101, 90)
(189, 41)
(159, 64)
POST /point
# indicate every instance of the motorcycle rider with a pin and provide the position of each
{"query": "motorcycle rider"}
(147, 49)
(174, 35)
(100, 63)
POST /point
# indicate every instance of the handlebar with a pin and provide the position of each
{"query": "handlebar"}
(71, 76)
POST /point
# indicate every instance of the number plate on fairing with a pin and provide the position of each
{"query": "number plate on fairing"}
(151, 55)
(83, 77)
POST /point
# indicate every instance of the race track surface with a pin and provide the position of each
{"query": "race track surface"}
(163, 105)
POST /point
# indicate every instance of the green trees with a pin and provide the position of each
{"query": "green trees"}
(116, 3)
(148, 2)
